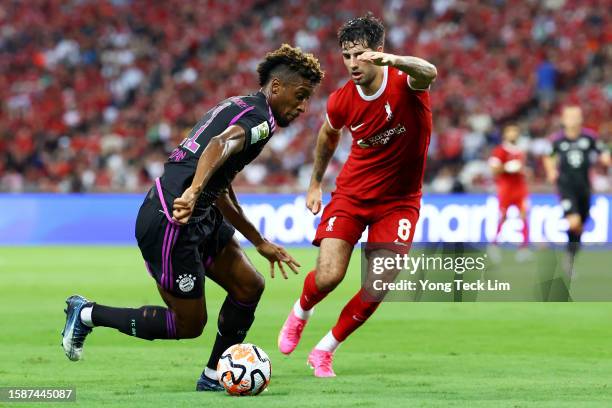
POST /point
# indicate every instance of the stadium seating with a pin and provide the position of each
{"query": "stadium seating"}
(96, 93)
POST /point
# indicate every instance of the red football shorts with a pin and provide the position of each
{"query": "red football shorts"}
(508, 197)
(388, 222)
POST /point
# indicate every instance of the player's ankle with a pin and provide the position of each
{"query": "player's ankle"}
(300, 312)
(328, 343)
(85, 316)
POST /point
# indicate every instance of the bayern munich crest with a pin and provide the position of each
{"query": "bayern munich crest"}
(186, 282)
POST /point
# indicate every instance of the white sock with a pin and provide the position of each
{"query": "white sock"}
(301, 313)
(210, 373)
(328, 343)
(86, 316)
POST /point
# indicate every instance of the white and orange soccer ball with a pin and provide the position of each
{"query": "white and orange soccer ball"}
(244, 369)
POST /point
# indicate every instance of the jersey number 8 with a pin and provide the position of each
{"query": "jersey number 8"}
(403, 230)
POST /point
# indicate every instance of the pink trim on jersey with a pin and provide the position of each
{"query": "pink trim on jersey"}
(238, 116)
(163, 202)
(583, 131)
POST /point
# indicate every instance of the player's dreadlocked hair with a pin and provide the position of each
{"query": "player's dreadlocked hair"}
(288, 61)
(366, 30)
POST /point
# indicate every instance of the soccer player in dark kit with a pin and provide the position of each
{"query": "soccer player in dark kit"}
(574, 150)
(183, 226)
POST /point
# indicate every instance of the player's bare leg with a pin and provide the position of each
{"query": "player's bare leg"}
(190, 315)
(334, 257)
(233, 271)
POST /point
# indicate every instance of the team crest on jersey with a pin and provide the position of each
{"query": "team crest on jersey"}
(330, 224)
(389, 112)
(260, 132)
(186, 282)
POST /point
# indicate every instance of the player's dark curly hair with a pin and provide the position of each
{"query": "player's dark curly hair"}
(288, 61)
(366, 30)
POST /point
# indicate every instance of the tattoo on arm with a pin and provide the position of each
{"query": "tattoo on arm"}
(419, 70)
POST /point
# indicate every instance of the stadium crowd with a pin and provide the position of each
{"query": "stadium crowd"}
(95, 94)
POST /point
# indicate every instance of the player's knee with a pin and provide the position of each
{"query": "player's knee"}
(190, 331)
(327, 278)
(190, 327)
(250, 291)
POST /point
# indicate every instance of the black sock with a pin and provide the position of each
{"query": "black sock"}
(148, 322)
(573, 244)
(235, 319)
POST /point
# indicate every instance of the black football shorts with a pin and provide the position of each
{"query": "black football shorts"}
(176, 255)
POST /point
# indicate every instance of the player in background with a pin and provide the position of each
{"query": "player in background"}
(507, 162)
(574, 150)
(385, 105)
(182, 227)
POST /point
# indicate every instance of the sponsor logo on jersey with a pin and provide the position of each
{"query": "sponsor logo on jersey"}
(186, 282)
(260, 132)
(354, 128)
(381, 138)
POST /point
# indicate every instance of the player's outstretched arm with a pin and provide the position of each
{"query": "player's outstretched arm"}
(421, 72)
(232, 211)
(214, 155)
(275, 254)
(327, 142)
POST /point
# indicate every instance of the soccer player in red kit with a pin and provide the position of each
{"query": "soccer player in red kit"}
(385, 106)
(508, 164)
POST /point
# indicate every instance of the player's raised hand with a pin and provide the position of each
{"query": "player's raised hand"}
(276, 254)
(314, 199)
(182, 208)
(376, 58)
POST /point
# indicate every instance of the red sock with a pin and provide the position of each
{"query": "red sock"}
(310, 294)
(354, 314)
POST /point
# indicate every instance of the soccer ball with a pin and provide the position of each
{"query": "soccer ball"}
(244, 369)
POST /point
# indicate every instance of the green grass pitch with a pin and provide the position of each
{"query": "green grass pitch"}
(407, 355)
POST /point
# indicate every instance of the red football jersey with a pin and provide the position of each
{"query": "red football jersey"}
(507, 182)
(391, 131)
